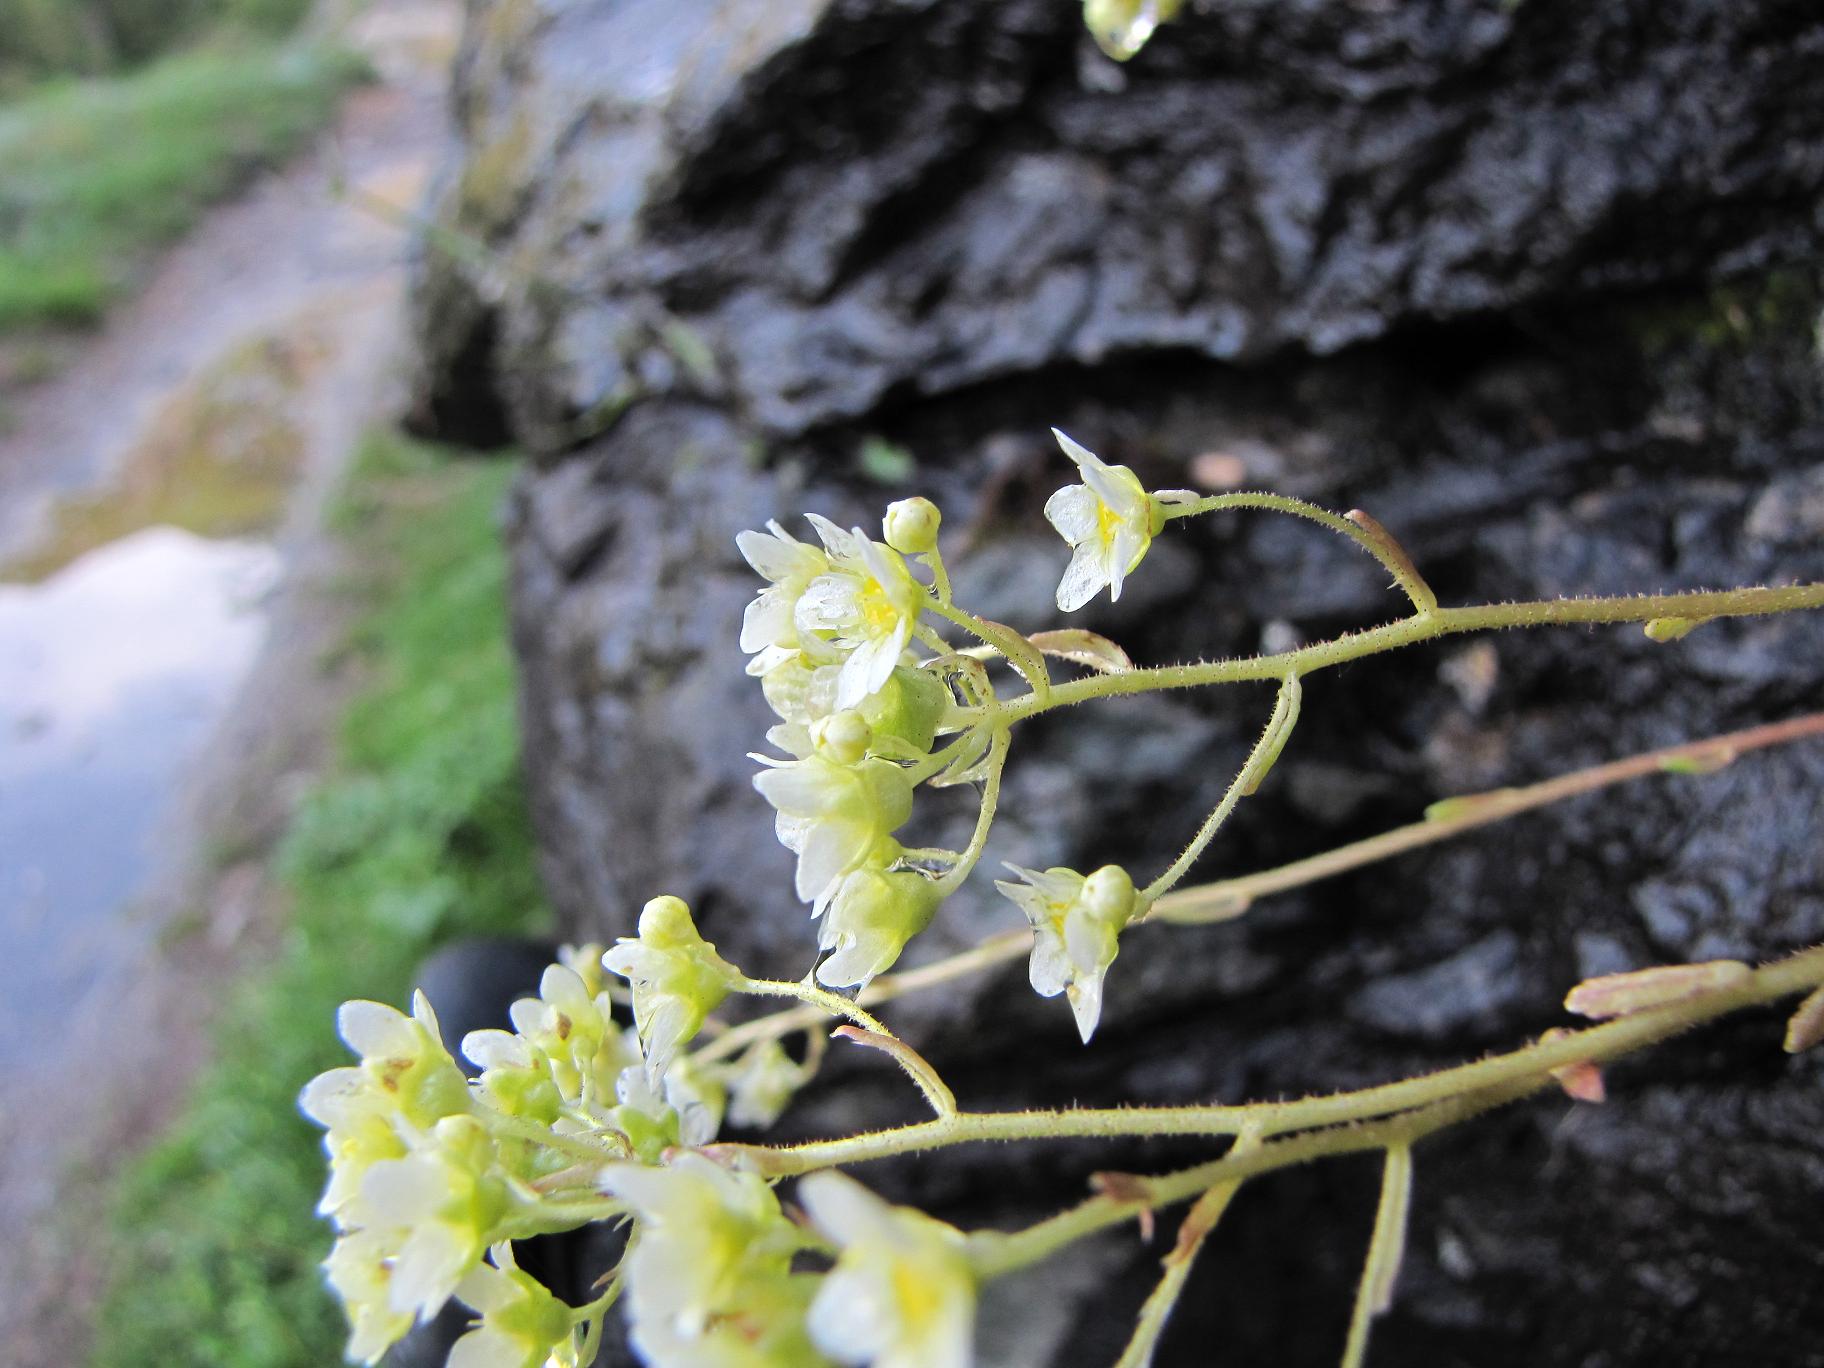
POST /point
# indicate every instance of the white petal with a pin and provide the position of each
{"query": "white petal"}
(842, 1208)
(795, 790)
(485, 1289)
(326, 1097)
(528, 1016)
(486, 1348)
(851, 1318)
(1075, 511)
(496, 1049)
(831, 849)
(1082, 455)
(775, 555)
(767, 621)
(828, 603)
(427, 1270)
(839, 542)
(373, 1030)
(1086, 1004)
(563, 988)
(1083, 578)
(1049, 971)
(404, 1192)
(424, 1015)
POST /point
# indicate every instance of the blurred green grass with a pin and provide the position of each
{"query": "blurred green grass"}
(95, 174)
(419, 835)
(91, 37)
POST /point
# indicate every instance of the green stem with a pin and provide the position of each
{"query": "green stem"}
(991, 796)
(1531, 1065)
(1358, 527)
(834, 1004)
(1229, 898)
(1019, 652)
(1427, 627)
(1266, 750)
(1386, 1250)
(1198, 1224)
(995, 1252)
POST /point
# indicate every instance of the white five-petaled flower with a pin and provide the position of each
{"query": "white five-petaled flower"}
(1109, 521)
(405, 1083)
(869, 920)
(836, 818)
(902, 1294)
(865, 606)
(707, 1239)
(429, 1215)
(678, 980)
(768, 631)
(522, 1325)
(1076, 930)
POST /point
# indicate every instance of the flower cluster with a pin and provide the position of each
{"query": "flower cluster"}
(417, 1189)
(711, 1280)
(829, 637)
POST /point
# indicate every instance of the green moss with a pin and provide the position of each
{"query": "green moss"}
(94, 175)
(494, 176)
(419, 835)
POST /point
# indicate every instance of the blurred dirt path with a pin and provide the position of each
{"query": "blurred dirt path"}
(292, 264)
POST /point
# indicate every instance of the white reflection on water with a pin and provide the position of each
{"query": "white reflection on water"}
(112, 673)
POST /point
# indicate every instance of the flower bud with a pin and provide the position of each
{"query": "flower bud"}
(1108, 896)
(911, 526)
(665, 923)
(909, 707)
(842, 737)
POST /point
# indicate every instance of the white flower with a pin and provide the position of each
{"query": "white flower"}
(865, 605)
(706, 1239)
(762, 1084)
(768, 632)
(835, 818)
(1109, 521)
(902, 1294)
(405, 1083)
(522, 1325)
(868, 922)
(678, 980)
(573, 1030)
(1076, 929)
(436, 1210)
(360, 1273)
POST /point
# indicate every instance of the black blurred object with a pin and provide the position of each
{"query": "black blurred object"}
(471, 984)
(1536, 284)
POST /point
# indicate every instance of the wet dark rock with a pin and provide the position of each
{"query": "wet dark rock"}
(1536, 284)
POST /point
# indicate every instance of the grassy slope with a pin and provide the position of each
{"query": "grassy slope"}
(96, 174)
(420, 834)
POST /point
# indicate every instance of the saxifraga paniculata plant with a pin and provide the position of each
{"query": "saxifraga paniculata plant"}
(883, 684)
(578, 1117)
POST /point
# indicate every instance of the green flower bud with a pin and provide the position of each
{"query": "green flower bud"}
(842, 737)
(911, 526)
(909, 707)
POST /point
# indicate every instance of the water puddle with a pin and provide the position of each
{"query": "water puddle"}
(126, 630)
(113, 670)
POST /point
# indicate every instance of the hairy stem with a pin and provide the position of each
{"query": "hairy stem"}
(1358, 527)
(1229, 898)
(1430, 626)
(1266, 750)
(1531, 1065)
(832, 1004)
(991, 797)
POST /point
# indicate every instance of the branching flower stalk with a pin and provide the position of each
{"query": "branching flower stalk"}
(885, 687)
